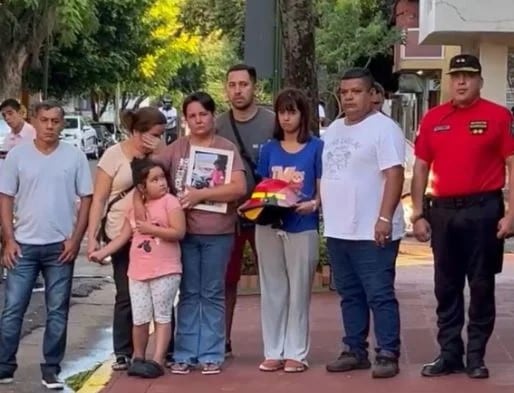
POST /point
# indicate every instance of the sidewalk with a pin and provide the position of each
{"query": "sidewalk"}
(415, 292)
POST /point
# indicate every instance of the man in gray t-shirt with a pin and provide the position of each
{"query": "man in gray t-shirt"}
(47, 178)
(255, 125)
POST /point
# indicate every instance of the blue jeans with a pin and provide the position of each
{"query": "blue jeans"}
(200, 334)
(20, 281)
(364, 275)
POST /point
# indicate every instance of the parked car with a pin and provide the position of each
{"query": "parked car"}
(78, 132)
(105, 137)
(114, 130)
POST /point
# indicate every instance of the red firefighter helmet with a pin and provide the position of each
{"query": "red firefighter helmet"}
(270, 199)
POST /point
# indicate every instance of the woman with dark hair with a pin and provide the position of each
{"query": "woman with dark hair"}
(288, 254)
(200, 337)
(110, 201)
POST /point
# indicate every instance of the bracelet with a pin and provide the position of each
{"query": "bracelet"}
(314, 205)
(381, 218)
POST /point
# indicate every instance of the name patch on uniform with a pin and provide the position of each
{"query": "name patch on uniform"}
(477, 127)
(441, 128)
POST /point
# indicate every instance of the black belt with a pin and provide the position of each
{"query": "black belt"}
(465, 201)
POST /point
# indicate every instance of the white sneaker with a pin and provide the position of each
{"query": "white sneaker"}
(52, 382)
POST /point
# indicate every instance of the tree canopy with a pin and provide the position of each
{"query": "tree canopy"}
(351, 33)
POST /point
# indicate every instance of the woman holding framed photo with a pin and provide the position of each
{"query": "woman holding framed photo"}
(288, 253)
(190, 161)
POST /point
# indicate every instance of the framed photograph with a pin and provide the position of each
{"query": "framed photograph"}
(209, 167)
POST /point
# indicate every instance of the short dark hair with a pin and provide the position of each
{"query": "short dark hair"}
(359, 73)
(291, 99)
(379, 88)
(252, 72)
(10, 103)
(141, 168)
(47, 105)
(202, 98)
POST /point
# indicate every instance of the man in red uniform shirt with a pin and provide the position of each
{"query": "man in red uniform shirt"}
(466, 143)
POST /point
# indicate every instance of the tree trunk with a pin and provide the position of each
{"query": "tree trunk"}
(93, 100)
(105, 102)
(138, 102)
(298, 26)
(11, 71)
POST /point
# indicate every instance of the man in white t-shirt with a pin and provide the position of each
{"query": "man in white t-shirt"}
(168, 110)
(45, 178)
(21, 132)
(361, 187)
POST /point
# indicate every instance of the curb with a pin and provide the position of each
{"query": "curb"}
(103, 375)
(99, 379)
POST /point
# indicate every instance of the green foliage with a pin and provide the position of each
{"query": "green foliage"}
(76, 381)
(352, 30)
(226, 17)
(108, 51)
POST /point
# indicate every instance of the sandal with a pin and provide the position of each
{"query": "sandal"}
(180, 368)
(122, 363)
(211, 369)
(270, 365)
(294, 366)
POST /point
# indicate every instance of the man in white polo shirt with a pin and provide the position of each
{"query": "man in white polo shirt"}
(21, 131)
(361, 187)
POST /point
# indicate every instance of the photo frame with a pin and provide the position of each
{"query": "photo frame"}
(209, 167)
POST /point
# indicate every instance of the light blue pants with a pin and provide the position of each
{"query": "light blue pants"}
(200, 334)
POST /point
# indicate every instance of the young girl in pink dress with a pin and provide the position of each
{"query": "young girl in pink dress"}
(155, 265)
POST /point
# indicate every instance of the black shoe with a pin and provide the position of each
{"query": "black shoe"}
(52, 382)
(348, 361)
(442, 366)
(38, 287)
(151, 369)
(477, 370)
(228, 349)
(136, 368)
(385, 367)
(6, 377)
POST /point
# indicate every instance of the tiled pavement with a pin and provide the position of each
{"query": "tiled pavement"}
(414, 288)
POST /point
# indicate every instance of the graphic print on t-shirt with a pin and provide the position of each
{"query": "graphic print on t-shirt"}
(146, 244)
(337, 155)
(289, 174)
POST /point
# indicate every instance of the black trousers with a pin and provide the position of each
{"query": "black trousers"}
(122, 322)
(465, 245)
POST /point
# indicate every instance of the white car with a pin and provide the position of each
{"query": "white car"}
(78, 132)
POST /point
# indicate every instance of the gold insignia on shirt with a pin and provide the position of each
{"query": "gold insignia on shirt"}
(478, 127)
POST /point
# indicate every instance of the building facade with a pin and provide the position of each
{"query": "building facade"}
(421, 67)
(483, 28)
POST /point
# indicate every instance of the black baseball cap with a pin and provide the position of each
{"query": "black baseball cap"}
(465, 63)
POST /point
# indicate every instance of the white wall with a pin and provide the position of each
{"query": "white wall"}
(489, 16)
(493, 58)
